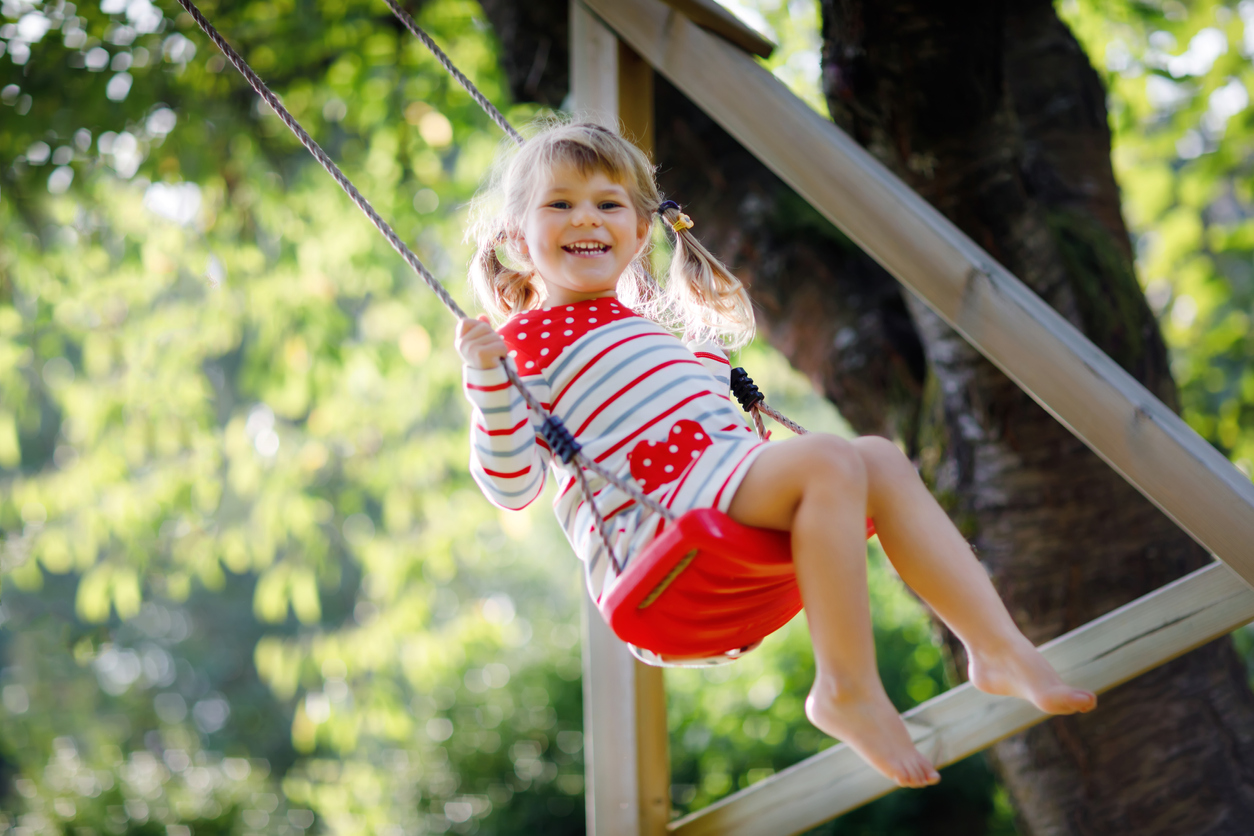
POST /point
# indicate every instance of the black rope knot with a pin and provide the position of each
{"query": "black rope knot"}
(743, 388)
(561, 442)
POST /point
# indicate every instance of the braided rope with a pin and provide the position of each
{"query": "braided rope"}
(781, 418)
(629, 487)
(602, 526)
(757, 421)
(448, 65)
(321, 156)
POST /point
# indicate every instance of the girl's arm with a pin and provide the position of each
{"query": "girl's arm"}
(713, 357)
(507, 461)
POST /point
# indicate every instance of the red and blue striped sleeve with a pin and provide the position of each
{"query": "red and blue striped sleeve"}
(507, 459)
(714, 358)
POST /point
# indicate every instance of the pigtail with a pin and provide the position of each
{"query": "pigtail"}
(702, 293)
(502, 289)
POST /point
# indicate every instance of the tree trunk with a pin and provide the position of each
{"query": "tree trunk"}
(992, 112)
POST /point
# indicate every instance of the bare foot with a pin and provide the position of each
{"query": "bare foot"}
(871, 725)
(1023, 672)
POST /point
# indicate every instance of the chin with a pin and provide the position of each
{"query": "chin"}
(598, 285)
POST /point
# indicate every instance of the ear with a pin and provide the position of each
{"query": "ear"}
(519, 240)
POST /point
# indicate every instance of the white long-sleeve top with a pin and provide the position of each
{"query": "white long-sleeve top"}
(636, 398)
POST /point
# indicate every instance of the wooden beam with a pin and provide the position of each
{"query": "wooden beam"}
(1051, 360)
(593, 67)
(712, 16)
(1119, 646)
(626, 756)
(627, 774)
(611, 781)
(653, 766)
(635, 98)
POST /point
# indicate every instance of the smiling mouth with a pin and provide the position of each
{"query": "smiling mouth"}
(586, 248)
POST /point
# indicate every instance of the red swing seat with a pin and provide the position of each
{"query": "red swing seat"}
(707, 586)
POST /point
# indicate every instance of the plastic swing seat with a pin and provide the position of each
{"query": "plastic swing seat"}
(706, 587)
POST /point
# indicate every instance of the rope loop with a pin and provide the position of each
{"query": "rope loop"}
(561, 442)
(743, 388)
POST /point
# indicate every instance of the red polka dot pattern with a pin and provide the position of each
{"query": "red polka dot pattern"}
(655, 463)
(536, 338)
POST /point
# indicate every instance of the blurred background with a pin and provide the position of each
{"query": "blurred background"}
(248, 585)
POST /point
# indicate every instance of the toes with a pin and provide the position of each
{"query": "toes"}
(916, 774)
(908, 781)
(903, 775)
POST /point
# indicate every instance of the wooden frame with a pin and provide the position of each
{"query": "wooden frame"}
(1042, 352)
(626, 754)
(1119, 646)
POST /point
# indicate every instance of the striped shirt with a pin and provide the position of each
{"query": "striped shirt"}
(638, 400)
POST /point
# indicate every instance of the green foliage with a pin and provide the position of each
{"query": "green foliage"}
(1179, 76)
(226, 407)
(793, 26)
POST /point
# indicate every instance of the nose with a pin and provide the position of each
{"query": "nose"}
(585, 214)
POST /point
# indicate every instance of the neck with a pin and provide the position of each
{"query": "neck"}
(561, 296)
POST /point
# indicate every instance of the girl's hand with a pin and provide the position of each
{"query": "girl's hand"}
(479, 346)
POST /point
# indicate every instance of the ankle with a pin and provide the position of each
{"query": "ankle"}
(841, 688)
(1000, 648)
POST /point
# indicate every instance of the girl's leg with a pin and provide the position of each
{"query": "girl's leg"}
(816, 487)
(935, 561)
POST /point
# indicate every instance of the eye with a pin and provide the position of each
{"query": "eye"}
(610, 204)
(559, 204)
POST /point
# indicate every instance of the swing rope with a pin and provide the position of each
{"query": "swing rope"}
(447, 64)
(569, 448)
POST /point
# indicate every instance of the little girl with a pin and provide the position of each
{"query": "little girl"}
(563, 241)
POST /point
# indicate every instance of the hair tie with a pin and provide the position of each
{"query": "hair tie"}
(681, 222)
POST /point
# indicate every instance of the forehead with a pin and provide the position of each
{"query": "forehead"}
(567, 176)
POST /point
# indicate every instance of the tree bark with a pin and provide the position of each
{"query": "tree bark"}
(992, 112)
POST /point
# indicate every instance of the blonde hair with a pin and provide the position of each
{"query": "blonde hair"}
(701, 298)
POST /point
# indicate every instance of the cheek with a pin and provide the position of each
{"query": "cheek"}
(541, 238)
(534, 240)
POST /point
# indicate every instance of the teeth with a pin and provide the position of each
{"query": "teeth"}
(587, 248)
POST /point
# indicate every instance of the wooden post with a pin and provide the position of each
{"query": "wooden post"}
(626, 757)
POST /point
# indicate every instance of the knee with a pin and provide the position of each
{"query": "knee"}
(834, 461)
(883, 458)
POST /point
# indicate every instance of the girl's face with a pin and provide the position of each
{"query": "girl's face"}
(581, 232)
